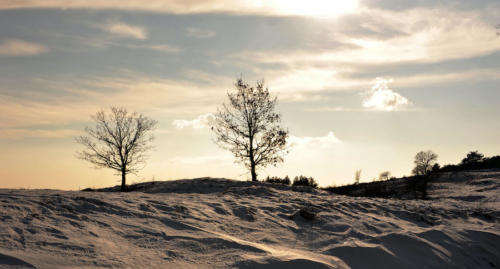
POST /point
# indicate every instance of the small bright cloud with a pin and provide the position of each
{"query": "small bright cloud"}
(199, 33)
(318, 141)
(126, 30)
(381, 97)
(14, 47)
(199, 122)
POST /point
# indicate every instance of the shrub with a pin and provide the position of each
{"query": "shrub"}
(304, 181)
(278, 180)
(472, 157)
(384, 176)
(472, 162)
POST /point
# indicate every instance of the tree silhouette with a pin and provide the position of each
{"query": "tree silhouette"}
(424, 161)
(250, 128)
(118, 141)
(472, 157)
(357, 176)
(384, 176)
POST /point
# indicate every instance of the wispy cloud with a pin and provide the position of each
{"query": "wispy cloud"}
(161, 48)
(78, 97)
(269, 7)
(15, 47)
(381, 97)
(122, 29)
(318, 141)
(425, 36)
(199, 122)
(199, 33)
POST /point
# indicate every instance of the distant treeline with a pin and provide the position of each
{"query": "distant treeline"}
(473, 161)
(415, 187)
(297, 181)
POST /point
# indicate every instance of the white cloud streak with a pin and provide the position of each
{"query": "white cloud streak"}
(318, 141)
(15, 47)
(200, 122)
(160, 48)
(382, 98)
(268, 7)
(122, 29)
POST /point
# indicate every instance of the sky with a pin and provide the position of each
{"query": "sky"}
(361, 85)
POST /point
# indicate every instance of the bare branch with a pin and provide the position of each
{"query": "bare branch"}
(119, 141)
(249, 127)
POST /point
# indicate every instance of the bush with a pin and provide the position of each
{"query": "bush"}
(472, 157)
(278, 180)
(473, 162)
(304, 181)
(384, 176)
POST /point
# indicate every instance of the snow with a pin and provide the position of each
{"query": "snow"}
(220, 223)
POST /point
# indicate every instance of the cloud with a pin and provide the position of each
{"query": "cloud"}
(299, 83)
(268, 7)
(15, 47)
(380, 97)
(319, 141)
(126, 30)
(161, 48)
(425, 36)
(199, 33)
(199, 122)
(72, 99)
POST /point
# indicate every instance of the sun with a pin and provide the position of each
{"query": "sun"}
(318, 8)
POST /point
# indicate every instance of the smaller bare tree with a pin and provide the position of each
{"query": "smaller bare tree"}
(118, 141)
(357, 176)
(384, 176)
(424, 161)
(250, 128)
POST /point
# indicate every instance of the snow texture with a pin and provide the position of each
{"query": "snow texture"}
(220, 223)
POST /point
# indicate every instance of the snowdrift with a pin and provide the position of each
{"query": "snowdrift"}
(218, 223)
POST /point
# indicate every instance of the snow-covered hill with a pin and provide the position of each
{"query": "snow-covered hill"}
(218, 223)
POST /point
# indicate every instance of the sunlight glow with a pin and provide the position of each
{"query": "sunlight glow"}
(319, 8)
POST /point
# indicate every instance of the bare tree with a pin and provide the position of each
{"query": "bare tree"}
(357, 176)
(249, 127)
(424, 161)
(384, 175)
(118, 141)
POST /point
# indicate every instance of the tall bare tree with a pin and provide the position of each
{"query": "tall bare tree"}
(118, 141)
(250, 128)
(424, 161)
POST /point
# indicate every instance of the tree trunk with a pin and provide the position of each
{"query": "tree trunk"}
(252, 160)
(124, 187)
(252, 168)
